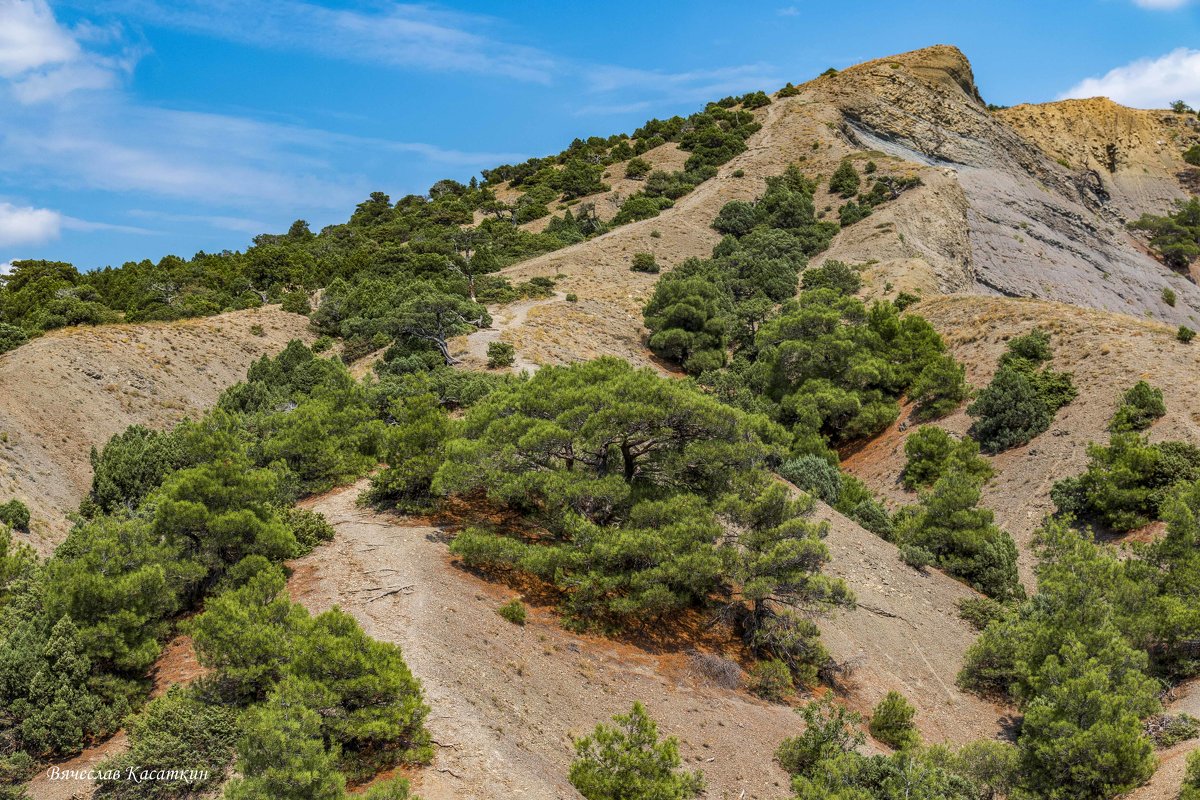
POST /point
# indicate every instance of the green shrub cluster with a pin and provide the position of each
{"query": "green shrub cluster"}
(267, 654)
(1140, 406)
(892, 722)
(1191, 778)
(823, 363)
(500, 354)
(513, 611)
(15, 514)
(644, 262)
(204, 511)
(1176, 236)
(824, 761)
(1023, 396)
(947, 527)
(1129, 482)
(1077, 658)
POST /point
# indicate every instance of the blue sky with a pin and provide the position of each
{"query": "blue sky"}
(131, 129)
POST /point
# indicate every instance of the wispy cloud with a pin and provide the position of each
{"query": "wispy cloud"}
(427, 38)
(1147, 82)
(412, 36)
(53, 79)
(1162, 5)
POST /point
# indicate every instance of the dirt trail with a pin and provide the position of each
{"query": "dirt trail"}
(472, 349)
(507, 699)
(1172, 762)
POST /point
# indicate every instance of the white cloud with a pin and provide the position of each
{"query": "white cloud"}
(1162, 5)
(28, 225)
(44, 61)
(30, 38)
(1147, 82)
(6, 268)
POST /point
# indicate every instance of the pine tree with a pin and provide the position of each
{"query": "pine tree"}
(281, 754)
(628, 762)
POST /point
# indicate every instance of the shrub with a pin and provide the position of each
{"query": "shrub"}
(814, 475)
(939, 388)
(904, 300)
(637, 168)
(1128, 482)
(721, 671)
(1168, 296)
(829, 731)
(390, 789)
(926, 451)
(1191, 779)
(176, 731)
(737, 218)
(1008, 412)
(628, 761)
(640, 206)
(500, 354)
(1170, 729)
(1141, 405)
(513, 611)
(755, 100)
(788, 90)
(322, 344)
(1192, 155)
(11, 337)
(979, 611)
(960, 535)
(1185, 334)
(739, 173)
(836, 275)
(892, 722)
(851, 212)
(15, 514)
(931, 452)
(571, 297)
(1175, 237)
(644, 262)
(916, 556)
(771, 680)
(845, 180)
(309, 527)
(296, 302)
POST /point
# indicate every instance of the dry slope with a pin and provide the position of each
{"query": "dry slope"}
(507, 699)
(74, 388)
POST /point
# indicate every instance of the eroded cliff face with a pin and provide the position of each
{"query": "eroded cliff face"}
(1037, 227)
(1135, 156)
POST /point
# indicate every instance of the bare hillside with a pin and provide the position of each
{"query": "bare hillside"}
(74, 388)
(1135, 155)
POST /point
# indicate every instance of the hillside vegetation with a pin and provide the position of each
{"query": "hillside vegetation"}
(861, 398)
